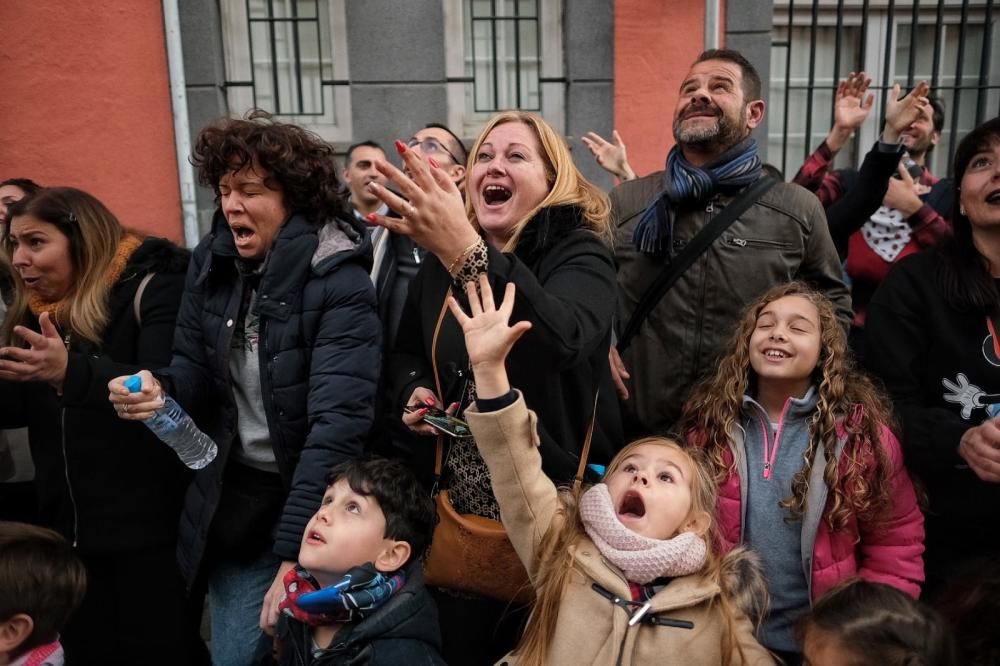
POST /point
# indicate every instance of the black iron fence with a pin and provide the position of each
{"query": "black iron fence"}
(815, 44)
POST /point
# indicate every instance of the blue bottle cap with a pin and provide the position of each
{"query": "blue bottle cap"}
(598, 469)
(133, 384)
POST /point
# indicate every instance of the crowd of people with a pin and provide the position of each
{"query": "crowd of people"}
(471, 409)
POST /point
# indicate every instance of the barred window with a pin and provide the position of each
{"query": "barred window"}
(503, 54)
(815, 44)
(288, 57)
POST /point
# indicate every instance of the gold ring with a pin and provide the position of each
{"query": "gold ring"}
(410, 210)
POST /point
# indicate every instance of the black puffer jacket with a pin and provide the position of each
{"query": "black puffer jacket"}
(319, 364)
(404, 631)
(565, 279)
(108, 485)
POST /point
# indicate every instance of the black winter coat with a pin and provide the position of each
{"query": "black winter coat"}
(319, 365)
(565, 279)
(404, 631)
(108, 485)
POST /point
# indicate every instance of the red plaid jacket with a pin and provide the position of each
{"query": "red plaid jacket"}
(817, 176)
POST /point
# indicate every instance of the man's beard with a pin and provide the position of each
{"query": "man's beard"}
(920, 147)
(724, 133)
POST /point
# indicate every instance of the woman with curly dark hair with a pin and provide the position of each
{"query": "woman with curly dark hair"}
(276, 356)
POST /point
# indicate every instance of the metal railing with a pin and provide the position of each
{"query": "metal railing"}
(948, 43)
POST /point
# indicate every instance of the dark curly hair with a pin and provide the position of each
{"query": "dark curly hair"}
(298, 162)
(409, 511)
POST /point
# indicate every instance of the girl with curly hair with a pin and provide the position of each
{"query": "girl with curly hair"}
(810, 476)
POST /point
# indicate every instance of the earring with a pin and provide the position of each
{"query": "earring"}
(961, 209)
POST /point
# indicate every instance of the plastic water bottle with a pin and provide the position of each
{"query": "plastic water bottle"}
(177, 430)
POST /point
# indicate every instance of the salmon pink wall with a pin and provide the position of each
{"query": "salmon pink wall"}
(85, 102)
(655, 43)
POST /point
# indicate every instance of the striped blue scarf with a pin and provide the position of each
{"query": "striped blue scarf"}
(683, 182)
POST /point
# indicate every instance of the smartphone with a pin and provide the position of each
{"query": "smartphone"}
(443, 422)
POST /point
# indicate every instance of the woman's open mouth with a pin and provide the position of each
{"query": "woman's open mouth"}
(631, 507)
(496, 195)
(241, 234)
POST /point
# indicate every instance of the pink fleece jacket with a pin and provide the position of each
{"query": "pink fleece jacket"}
(890, 551)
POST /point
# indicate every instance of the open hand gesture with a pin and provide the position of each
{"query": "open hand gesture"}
(612, 157)
(900, 112)
(45, 359)
(488, 336)
(433, 214)
(851, 106)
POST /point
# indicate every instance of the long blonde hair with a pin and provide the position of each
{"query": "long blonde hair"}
(567, 186)
(846, 396)
(556, 557)
(94, 235)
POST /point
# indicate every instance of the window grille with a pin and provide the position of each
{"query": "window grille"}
(503, 54)
(948, 43)
(280, 59)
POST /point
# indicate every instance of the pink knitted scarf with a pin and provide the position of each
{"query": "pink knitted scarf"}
(640, 558)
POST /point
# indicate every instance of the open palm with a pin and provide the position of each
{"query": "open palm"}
(852, 106)
(488, 335)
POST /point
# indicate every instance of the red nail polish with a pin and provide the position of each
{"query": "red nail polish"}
(370, 217)
(433, 162)
(422, 412)
(429, 401)
(400, 147)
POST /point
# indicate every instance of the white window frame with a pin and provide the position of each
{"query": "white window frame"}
(335, 124)
(552, 89)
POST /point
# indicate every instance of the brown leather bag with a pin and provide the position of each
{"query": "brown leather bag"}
(471, 553)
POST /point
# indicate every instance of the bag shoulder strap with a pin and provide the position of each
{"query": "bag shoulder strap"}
(585, 453)
(439, 452)
(694, 249)
(137, 301)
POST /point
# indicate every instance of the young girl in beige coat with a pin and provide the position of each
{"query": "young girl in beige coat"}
(624, 573)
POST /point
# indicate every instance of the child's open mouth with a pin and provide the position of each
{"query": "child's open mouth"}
(632, 507)
(314, 537)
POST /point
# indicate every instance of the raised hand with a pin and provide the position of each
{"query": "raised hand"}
(488, 336)
(44, 360)
(612, 157)
(851, 106)
(433, 213)
(850, 109)
(900, 112)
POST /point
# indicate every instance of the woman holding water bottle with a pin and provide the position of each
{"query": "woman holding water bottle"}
(276, 359)
(92, 301)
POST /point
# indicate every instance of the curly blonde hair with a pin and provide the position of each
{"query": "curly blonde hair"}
(849, 403)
